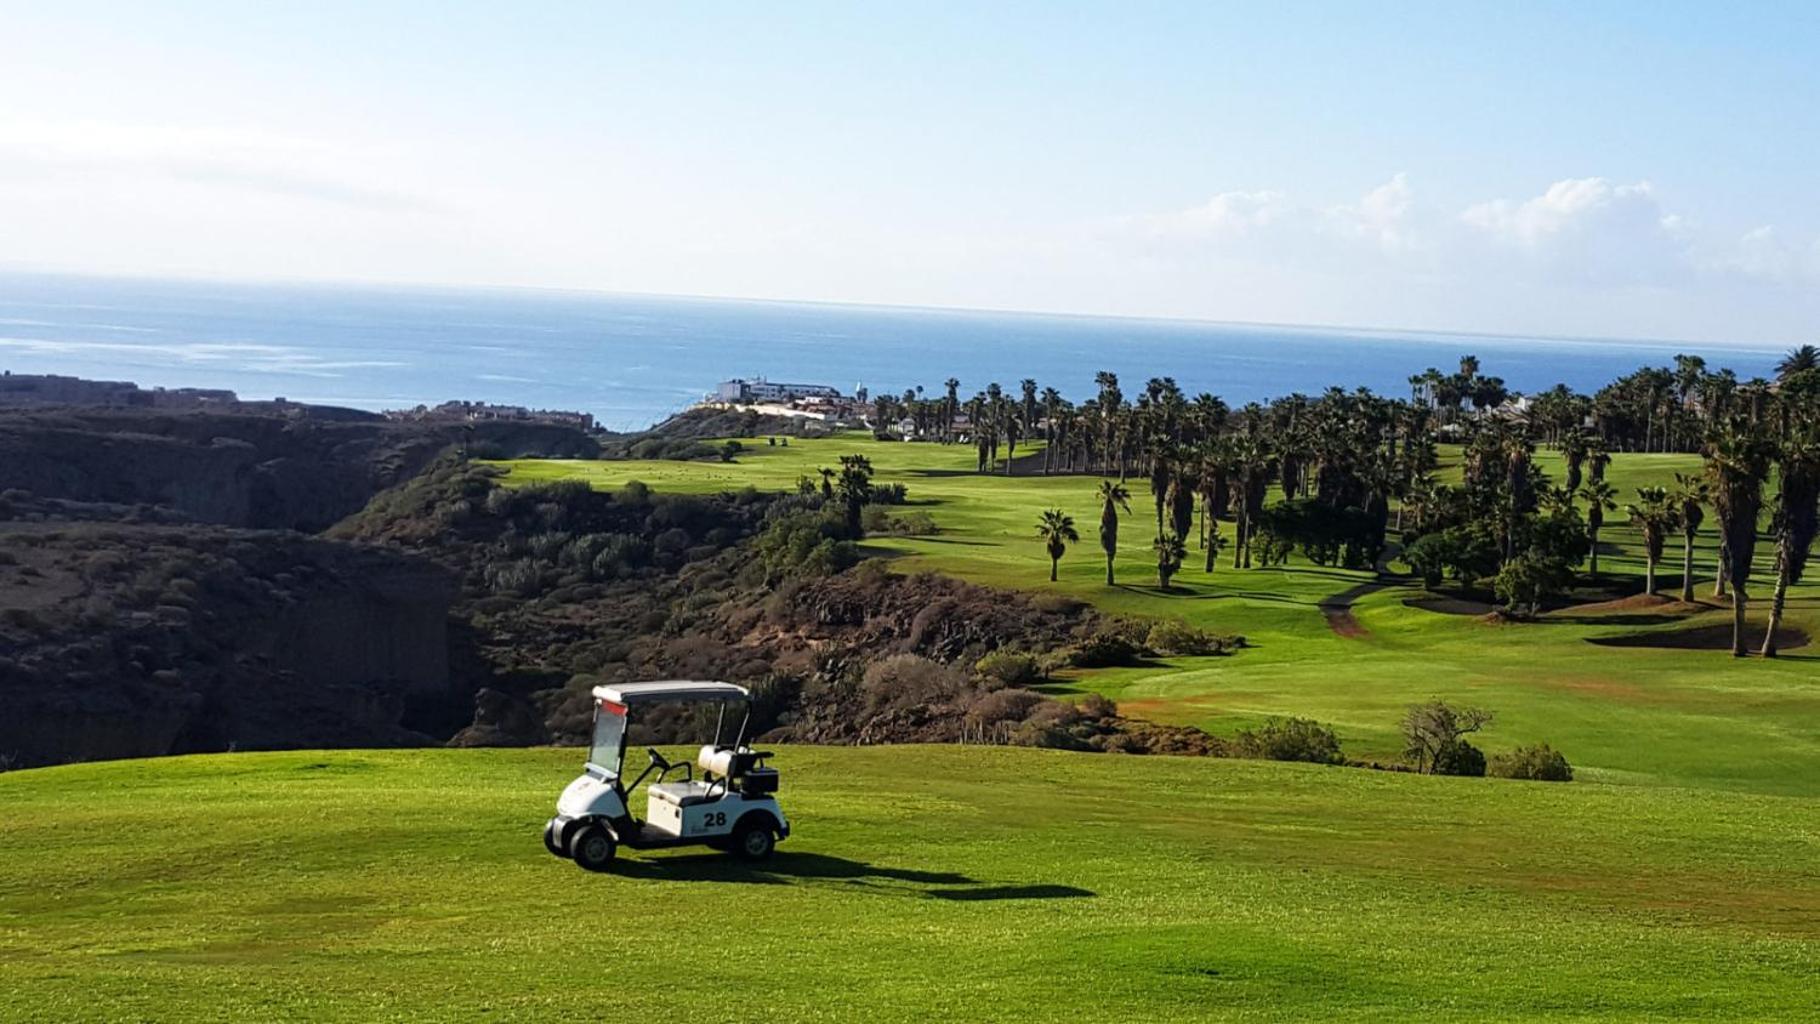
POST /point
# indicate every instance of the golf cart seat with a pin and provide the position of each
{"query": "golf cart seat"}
(684, 794)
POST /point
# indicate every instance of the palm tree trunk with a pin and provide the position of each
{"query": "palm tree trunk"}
(1239, 527)
(1719, 573)
(1649, 576)
(1053, 562)
(1739, 600)
(1594, 553)
(1687, 568)
(1780, 599)
(1109, 568)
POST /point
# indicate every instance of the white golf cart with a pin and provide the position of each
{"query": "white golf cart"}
(732, 806)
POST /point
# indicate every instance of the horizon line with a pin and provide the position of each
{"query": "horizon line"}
(180, 277)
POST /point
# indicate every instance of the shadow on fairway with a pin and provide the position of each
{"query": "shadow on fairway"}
(797, 868)
(1013, 892)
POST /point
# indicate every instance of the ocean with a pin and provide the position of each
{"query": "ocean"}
(633, 359)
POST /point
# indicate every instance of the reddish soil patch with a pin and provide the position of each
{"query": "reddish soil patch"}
(1716, 637)
(1343, 623)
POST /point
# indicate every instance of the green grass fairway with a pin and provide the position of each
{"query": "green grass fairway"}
(948, 883)
(1633, 715)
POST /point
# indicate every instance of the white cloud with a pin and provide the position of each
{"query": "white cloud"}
(1382, 215)
(1226, 215)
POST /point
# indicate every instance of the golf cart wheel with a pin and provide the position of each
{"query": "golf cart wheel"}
(753, 841)
(551, 841)
(592, 847)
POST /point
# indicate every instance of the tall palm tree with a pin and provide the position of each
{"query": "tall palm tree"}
(1056, 528)
(1690, 496)
(1737, 461)
(950, 407)
(1112, 496)
(1601, 498)
(1170, 553)
(1806, 357)
(1052, 411)
(1797, 506)
(1653, 514)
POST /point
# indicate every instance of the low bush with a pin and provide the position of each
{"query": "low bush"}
(1459, 757)
(1175, 637)
(1105, 650)
(1001, 706)
(1539, 763)
(1009, 668)
(906, 680)
(1289, 739)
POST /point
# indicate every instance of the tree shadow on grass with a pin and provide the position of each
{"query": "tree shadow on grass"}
(810, 868)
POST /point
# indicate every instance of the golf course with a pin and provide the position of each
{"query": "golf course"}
(1350, 648)
(1678, 876)
(959, 883)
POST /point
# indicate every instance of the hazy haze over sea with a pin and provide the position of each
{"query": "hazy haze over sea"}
(633, 359)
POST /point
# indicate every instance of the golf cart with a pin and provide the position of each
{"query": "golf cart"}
(732, 806)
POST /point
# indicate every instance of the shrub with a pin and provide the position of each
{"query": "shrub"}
(1002, 706)
(1289, 739)
(906, 680)
(1459, 757)
(1098, 705)
(1175, 637)
(1540, 763)
(1105, 650)
(1009, 668)
(1054, 725)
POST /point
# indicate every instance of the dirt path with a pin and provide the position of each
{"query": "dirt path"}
(1337, 609)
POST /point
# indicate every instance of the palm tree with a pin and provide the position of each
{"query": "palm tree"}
(1655, 516)
(1797, 505)
(1056, 528)
(1113, 497)
(1170, 553)
(1690, 497)
(1806, 357)
(1737, 461)
(950, 406)
(1601, 498)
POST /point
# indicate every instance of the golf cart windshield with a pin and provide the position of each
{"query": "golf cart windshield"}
(608, 746)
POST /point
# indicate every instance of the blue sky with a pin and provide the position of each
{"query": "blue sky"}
(1638, 170)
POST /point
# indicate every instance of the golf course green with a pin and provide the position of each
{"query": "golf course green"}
(921, 883)
(1613, 685)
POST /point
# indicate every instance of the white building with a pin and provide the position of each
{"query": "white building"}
(761, 390)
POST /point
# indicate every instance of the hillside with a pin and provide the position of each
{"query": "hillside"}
(921, 883)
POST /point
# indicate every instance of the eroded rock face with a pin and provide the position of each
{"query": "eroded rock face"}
(136, 640)
(302, 471)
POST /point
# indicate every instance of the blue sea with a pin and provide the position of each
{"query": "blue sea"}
(633, 359)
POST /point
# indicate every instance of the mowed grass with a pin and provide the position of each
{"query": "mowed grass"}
(1631, 715)
(945, 883)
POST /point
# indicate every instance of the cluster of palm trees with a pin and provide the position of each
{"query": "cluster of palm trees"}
(1353, 456)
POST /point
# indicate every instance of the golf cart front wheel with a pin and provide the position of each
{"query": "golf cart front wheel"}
(551, 841)
(592, 847)
(754, 841)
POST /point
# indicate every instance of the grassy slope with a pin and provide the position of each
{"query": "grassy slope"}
(922, 883)
(1622, 715)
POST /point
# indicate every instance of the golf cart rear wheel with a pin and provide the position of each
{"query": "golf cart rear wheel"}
(551, 841)
(592, 847)
(753, 841)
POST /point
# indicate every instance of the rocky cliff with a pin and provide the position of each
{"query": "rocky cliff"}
(134, 640)
(295, 468)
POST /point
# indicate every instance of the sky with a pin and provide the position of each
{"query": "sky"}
(1638, 170)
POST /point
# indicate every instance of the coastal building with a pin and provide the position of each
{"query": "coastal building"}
(471, 412)
(743, 392)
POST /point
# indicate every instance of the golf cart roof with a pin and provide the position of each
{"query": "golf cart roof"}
(670, 689)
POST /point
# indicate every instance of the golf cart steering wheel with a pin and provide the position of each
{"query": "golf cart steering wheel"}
(658, 759)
